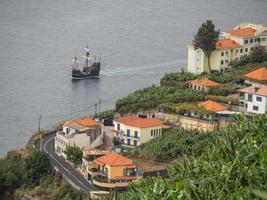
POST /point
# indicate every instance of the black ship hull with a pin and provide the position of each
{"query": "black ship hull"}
(91, 72)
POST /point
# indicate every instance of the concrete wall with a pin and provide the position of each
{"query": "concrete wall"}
(81, 140)
(203, 125)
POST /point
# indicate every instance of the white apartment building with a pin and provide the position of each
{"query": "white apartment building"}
(231, 45)
(80, 133)
(253, 99)
(132, 131)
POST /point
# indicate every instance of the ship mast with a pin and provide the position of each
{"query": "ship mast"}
(75, 63)
(87, 58)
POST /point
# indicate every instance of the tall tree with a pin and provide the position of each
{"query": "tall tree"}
(206, 39)
(74, 154)
(37, 166)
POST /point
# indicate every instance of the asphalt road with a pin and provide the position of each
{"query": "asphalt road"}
(66, 169)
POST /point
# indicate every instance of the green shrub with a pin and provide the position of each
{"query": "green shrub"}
(173, 143)
(37, 166)
(221, 77)
(179, 76)
(258, 54)
(244, 60)
(74, 154)
(222, 90)
(105, 114)
(177, 79)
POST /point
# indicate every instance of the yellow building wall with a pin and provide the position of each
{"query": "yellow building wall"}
(114, 171)
(144, 134)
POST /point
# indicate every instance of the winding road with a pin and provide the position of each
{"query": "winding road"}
(65, 168)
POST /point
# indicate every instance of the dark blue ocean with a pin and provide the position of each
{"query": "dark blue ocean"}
(137, 40)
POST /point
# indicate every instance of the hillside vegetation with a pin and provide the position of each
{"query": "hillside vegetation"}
(232, 167)
(173, 143)
(151, 97)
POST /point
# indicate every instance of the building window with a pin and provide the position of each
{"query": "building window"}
(250, 97)
(246, 41)
(251, 48)
(151, 133)
(135, 134)
(221, 62)
(118, 127)
(226, 61)
(251, 40)
(246, 49)
(236, 51)
(128, 132)
(129, 141)
(263, 39)
(258, 99)
(226, 53)
(135, 143)
(222, 53)
(241, 50)
(256, 108)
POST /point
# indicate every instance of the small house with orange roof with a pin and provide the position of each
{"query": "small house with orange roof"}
(253, 99)
(113, 170)
(131, 131)
(89, 155)
(78, 132)
(231, 46)
(206, 116)
(258, 75)
(202, 84)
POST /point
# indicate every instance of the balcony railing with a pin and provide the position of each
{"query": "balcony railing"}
(130, 136)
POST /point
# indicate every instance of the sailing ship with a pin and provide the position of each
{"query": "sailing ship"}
(91, 68)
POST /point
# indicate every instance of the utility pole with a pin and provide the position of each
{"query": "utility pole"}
(71, 112)
(95, 109)
(39, 132)
(99, 103)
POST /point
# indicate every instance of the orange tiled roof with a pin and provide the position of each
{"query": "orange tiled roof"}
(134, 121)
(126, 118)
(212, 106)
(227, 44)
(83, 122)
(243, 32)
(113, 159)
(144, 123)
(88, 122)
(258, 74)
(258, 89)
(71, 121)
(204, 81)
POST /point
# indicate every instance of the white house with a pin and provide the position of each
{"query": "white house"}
(132, 131)
(80, 133)
(231, 46)
(253, 99)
